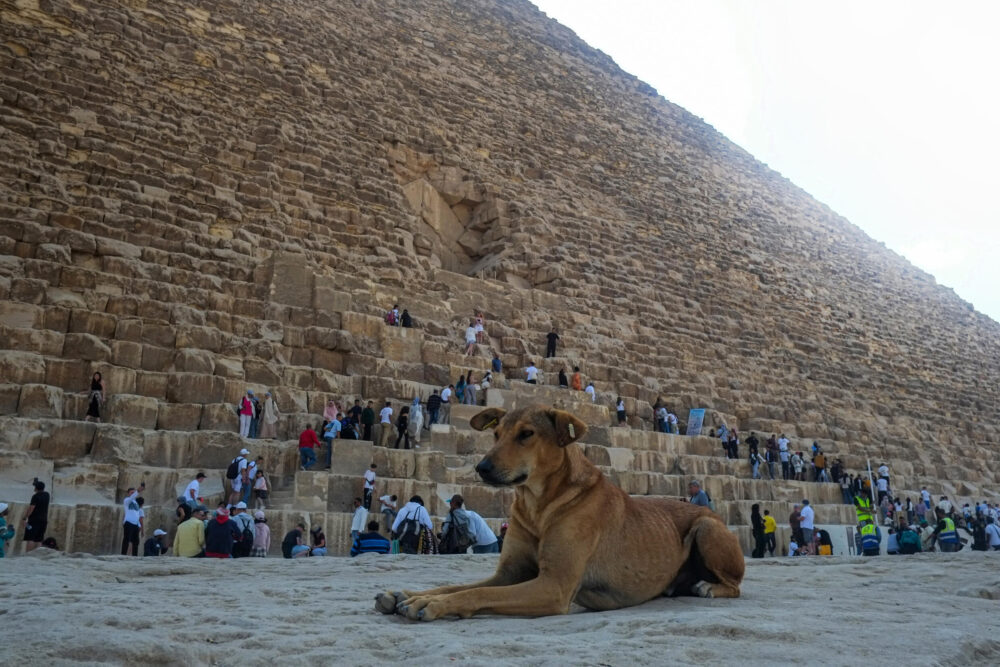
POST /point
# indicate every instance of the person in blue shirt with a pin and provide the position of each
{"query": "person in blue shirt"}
(370, 542)
(497, 364)
(331, 433)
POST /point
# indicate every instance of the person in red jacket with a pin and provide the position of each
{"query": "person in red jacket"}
(308, 441)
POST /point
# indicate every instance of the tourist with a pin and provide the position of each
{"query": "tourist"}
(797, 466)
(769, 458)
(882, 485)
(470, 390)
(593, 392)
(550, 345)
(723, 435)
(369, 486)
(486, 382)
(330, 412)
(308, 441)
(784, 456)
(245, 412)
(460, 390)
(795, 523)
(389, 507)
(755, 461)
(155, 545)
(416, 424)
(697, 495)
(770, 530)
(470, 339)
(412, 511)
(221, 534)
(757, 523)
(733, 444)
(446, 395)
(458, 519)
(753, 444)
(433, 409)
(368, 421)
(192, 493)
(793, 548)
(531, 373)
(370, 542)
(819, 467)
(402, 426)
(248, 477)
(563, 379)
(480, 326)
(807, 524)
(236, 473)
(332, 432)
(360, 517)
(406, 321)
(925, 496)
(385, 424)
(392, 317)
(6, 532)
(133, 524)
(484, 541)
(993, 533)
(318, 541)
(944, 506)
(245, 527)
(356, 412)
(255, 418)
(291, 546)
(620, 409)
(261, 536)
(189, 542)
(945, 535)
(672, 423)
(261, 490)
(269, 420)
(576, 382)
(846, 486)
(95, 398)
(660, 415)
(496, 365)
(871, 538)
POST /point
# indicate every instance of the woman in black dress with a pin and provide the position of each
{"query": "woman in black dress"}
(402, 425)
(757, 523)
(96, 398)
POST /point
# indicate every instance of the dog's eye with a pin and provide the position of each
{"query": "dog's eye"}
(496, 436)
(524, 435)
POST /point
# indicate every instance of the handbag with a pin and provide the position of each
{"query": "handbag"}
(394, 547)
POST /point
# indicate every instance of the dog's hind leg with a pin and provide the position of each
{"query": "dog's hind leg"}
(721, 558)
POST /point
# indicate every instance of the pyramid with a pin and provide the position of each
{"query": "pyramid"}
(197, 198)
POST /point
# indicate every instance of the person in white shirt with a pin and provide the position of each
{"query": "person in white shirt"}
(793, 548)
(484, 539)
(593, 392)
(925, 495)
(444, 416)
(531, 374)
(783, 456)
(671, 422)
(360, 519)
(369, 486)
(236, 485)
(807, 524)
(385, 425)
(470, 339)
(993, 533)
(193, 491)
(132, 525)
(389, 508)
(882, 484)
(413, 510)
(883, 471)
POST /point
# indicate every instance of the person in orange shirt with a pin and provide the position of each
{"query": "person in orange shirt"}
(577, 382)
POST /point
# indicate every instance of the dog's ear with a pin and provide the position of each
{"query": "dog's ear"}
(568, 427)
(488, 418)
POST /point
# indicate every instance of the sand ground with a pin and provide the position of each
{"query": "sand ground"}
(931, 609)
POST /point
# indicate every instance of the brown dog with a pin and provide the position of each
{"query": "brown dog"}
(575, 537)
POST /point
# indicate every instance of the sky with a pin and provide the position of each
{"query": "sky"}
(887, 112)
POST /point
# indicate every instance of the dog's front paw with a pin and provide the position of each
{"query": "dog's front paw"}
(388, 603)
(703, 589)
(423, 608)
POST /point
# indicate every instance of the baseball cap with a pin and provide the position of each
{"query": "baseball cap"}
(200, 508)
(259, 514)
(158, 532)
(244, 452)
(241, 505)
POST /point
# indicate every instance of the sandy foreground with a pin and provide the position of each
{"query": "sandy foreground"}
(920, 610)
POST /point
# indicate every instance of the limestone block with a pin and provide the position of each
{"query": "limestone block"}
(157, 359)
(179, 416)
(412, 371)
(129, 329)
(126, 353)
(9, 396)
(297, 377)
(360, 364)
(19, 315)
(330, 299)
(291, 280)
(91, 483)
(20, 435)
(219, 417)
(117, 444)
(358, 324)
(328, 360)
(430, 466)
(401, 344)
(167, 449)
(22, 367)
(195, 388)
(40, 400)
(85, 346)
(291, 400)
(192, 360)
(215, 449)
(311, 490)
(101, 325)
(153, 385)
(342, 491)
(443, 438)
(261, 373)
(19, 471)
(394, 463)
(229, 367)
(131, 410)
(352, 457)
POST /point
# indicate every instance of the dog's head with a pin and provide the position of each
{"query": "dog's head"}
(527, 442)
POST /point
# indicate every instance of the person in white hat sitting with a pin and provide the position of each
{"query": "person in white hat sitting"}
(155, 546)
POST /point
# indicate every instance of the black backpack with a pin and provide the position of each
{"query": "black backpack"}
(457, 540)
(244, 544)
(409, 535)
(233, 471)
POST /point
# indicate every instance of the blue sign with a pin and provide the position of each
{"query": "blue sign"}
(696, 418)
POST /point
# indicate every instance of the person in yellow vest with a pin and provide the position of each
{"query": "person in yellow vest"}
(863, 506)
(870, 539)
(770, 526)
(946, 535)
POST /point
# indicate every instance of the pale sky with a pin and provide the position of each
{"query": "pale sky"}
(885, 111)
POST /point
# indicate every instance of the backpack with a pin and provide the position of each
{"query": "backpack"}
(409, 535)
(457, 540)
(909, 542)
(244, 544)
(233, 471)
(390, 318)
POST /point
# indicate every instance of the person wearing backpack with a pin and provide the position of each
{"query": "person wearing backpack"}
(235, 474)
(246, 530)
(455, 535)
(409, 524)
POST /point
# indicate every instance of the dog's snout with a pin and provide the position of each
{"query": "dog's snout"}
(484, 467)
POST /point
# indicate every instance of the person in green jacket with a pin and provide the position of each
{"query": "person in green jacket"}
(367, 421)
(6, 532)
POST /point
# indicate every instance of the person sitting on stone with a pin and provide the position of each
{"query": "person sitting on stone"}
(156, 545)
(563, 380)
(291, 546)
(318, 542)
(406, 320)
(370, 542)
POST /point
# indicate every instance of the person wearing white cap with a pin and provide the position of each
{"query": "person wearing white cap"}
(244, 522)
(155, 545)
(261, 536)
(6, 532)
(237, 468)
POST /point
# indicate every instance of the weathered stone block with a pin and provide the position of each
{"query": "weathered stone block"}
(191, 360)
(168, 449)
(311, 490)
(126, 353)
(219, 417)
(40, 400)
(195, 388)
(85, 346)
(22, 367)
(179, 416)
(16, 314)
(116, 444)
(10, 394)
(101, 325)
(401, 344)
(153, 385)
(132, 410)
